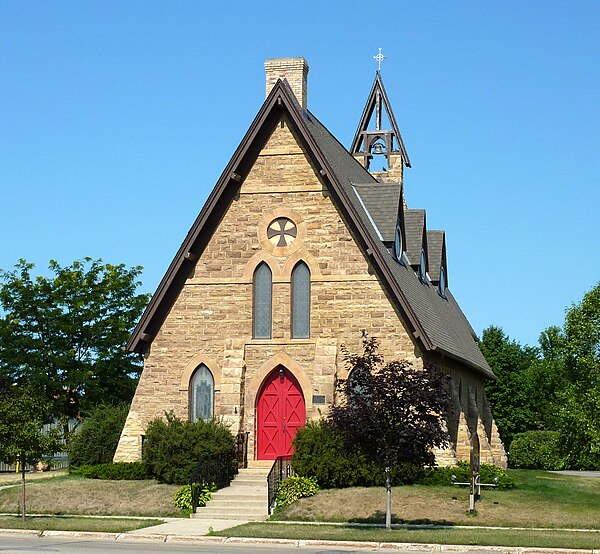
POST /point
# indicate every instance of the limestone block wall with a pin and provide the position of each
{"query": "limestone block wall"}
(211, 321)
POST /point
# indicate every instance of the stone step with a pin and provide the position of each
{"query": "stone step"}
(236, 501)
(253, 516)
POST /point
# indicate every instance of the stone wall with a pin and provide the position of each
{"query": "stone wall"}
(211, 321)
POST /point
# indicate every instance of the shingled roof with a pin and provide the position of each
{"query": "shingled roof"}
(436, 251)
(436, 323)
(382, 201)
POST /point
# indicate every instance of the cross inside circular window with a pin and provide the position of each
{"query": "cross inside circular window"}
(281, 231)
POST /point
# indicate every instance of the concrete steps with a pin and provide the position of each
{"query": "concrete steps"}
(245, 499)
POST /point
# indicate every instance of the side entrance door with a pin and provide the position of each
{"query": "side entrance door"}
(280, 411)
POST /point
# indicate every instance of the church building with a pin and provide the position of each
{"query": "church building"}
(301, 245)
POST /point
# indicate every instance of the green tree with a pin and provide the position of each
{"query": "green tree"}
(510, 395)
(63, 335)
(394, 413)
(579, 415)
(97, 440)
(22, 415)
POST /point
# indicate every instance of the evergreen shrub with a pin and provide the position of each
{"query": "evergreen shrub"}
(120, 471)
(97, 440)
(320, 452)
(173, 446)
(536, 450)
(294, 488)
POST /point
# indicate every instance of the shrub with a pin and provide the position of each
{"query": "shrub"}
(173, 447)
(462, 471)
(183, 497)
(120, 471)
(320, 452)
(536, 450)
(294, 488)
(97, 440)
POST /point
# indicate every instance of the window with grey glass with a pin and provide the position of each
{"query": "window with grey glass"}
(262, 302)
(301, 301)
(202, 394)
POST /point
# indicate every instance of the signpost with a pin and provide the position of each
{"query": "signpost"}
(475, 480)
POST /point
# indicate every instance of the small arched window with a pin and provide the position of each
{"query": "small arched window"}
(202, 394)
(301, 301)
(442, 285)
(262, 302)
(398, 243)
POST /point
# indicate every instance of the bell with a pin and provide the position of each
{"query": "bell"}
(377, 148)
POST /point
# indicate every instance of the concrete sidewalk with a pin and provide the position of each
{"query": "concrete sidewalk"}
(188, 527)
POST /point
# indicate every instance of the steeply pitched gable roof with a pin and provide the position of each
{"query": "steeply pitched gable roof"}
(382, 201)
(437, 324)
(436, 249)
(414, 223)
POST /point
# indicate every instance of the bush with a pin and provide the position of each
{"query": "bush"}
(120, 471)
(462, 471)
(97, 440)
(183, 497)
(320, 452)
(536, 450)
(173, 447)
(294, 488)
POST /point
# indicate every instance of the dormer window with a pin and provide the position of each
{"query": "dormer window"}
(398, 243)
(442, 284)
(422, 266)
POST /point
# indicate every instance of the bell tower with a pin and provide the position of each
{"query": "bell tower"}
(370, 142)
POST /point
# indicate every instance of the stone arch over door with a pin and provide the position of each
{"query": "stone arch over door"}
(280, 412)
(255, 384)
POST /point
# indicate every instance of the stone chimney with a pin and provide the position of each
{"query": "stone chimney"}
(294, 70)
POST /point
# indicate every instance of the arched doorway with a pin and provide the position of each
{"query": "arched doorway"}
(280, 411)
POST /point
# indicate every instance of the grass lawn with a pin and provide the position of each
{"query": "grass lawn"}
(57, 523)
(542, 499)
(80, 496)
(483, 537)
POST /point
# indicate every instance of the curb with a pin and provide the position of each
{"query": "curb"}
(301, 543)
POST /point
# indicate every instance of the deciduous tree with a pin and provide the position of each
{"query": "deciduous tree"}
(394, 412)
(63, 335)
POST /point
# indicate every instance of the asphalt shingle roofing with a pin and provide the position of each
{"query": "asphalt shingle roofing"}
(441, 318)
(435, 245)
(437, 323)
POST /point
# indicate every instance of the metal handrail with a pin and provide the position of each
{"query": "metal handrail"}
(280, 472)
(219, 469)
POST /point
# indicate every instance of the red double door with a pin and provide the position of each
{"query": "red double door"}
(280, 411)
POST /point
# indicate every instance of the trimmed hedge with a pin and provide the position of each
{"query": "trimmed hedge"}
(173, 446)
(97, 440)
(536, 450)
(120, 471)
(321, 453)
(462, 471)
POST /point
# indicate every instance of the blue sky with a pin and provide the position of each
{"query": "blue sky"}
(117, 119)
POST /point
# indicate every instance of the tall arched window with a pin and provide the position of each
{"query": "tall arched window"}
(301, 301)
(262, 302)
(202, 394)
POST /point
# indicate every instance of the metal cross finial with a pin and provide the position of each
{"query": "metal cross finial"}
(380, 57)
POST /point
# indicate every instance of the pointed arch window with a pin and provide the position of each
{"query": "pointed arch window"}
(301, 301)
(202, 394)
(262, 302)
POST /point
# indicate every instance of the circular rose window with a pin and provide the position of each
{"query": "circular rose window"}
(281, 232)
